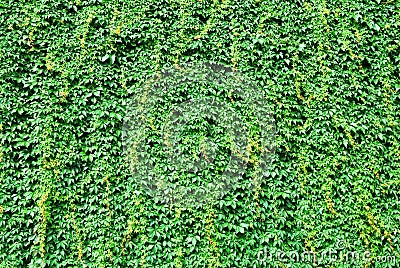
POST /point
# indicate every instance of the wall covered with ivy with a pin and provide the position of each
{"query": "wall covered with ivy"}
(328, 69)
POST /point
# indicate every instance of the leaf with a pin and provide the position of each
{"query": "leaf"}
(104, 58)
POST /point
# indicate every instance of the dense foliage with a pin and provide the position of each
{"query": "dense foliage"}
(330, 70)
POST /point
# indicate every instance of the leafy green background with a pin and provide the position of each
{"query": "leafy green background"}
(330, 69)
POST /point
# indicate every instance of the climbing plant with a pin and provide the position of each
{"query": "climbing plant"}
(328, 69)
